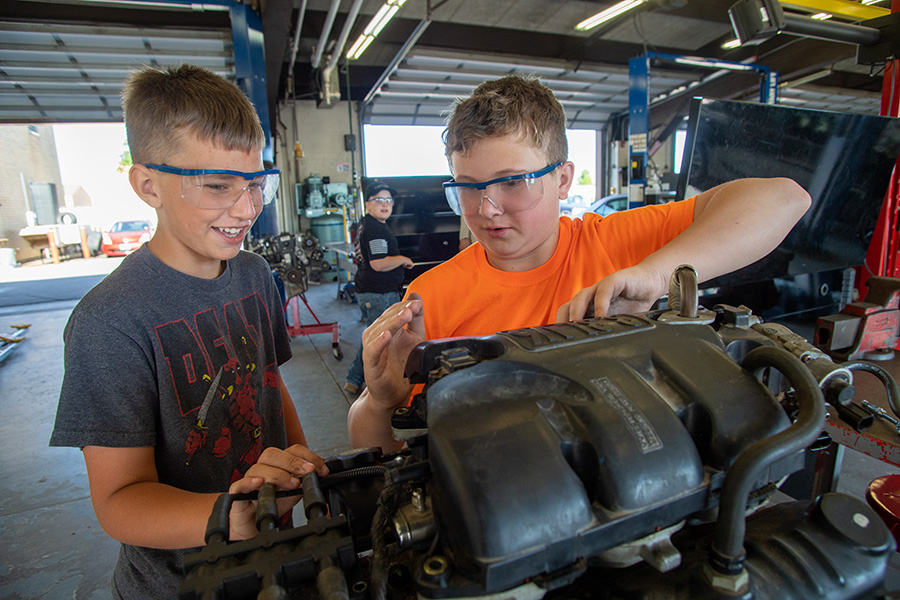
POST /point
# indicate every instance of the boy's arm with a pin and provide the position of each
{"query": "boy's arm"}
(735, 224)
(389, 263)
(134, 508)
(387, 343)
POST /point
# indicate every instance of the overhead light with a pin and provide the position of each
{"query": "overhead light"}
(870, 2)
(359, 46)
(735, 43)
(712, 64)
(381, 18)
(610, 13)
(822, 16)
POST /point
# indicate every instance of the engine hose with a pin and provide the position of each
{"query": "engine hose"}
(727, 551)
(380, 521)
(890, 384)
(350, 474)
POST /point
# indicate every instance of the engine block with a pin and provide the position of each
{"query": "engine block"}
(610, 458)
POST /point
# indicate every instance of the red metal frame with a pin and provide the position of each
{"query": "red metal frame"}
(882, 257)
(296, 328)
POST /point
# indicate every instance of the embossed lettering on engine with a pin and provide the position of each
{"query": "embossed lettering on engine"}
(635, 420)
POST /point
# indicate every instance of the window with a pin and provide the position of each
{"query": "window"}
(405, 150)
(679, 149)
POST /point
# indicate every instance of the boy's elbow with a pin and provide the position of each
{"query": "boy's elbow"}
(795, 199)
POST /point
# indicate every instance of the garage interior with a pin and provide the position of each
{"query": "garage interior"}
(63, 61)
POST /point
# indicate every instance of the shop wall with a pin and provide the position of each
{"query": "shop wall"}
(320, 133)
(29, 155)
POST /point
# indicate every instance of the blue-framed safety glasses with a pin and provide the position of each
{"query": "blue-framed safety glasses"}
(510, 194)
(218, 189)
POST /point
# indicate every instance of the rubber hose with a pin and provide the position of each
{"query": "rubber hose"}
(218, 525)
(380, 521)
(727, 552)
(350, 474)
(890, 384)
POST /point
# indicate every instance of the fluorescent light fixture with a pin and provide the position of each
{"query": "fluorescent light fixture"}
(381, 18)
(193, 6)
(822, 16)
(384, 21)
(377, 19)
(713, 64)
(870, 2)
(359, 46)
(735, 43)
(610, 13)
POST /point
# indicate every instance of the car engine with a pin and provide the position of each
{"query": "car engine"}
(626, 457)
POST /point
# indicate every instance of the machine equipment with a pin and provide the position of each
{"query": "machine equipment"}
(316, 194)
(629, 457)
(296, 261)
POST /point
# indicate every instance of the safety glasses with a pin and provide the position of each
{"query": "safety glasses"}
(513, 193)
(219, 189)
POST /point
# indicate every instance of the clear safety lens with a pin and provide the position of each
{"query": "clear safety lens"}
(509, 196)
(221, 191)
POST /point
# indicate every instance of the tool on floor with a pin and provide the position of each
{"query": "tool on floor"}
(8, 343)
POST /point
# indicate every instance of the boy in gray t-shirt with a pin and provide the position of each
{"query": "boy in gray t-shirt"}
(172, 387)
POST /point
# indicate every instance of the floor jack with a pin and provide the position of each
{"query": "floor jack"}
(296, 328)
(8, 343)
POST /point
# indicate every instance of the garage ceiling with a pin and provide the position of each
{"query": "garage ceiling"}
(64, 60)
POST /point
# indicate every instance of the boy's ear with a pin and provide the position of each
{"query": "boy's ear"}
(144, 185)
(566, 177)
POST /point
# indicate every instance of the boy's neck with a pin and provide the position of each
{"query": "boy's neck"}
(206, 268)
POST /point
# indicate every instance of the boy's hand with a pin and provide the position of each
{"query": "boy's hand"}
(387, 343)
(284, 468)
(629, 291)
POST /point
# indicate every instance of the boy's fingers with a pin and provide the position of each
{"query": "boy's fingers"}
(313, 462)
(562, 314)
(282, 467)
(577, 307)
(246, 485)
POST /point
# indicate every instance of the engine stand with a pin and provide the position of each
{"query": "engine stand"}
(296, 328)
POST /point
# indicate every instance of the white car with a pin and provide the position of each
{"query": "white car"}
(603, 206)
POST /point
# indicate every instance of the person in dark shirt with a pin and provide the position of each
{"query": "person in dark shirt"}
(379, 267)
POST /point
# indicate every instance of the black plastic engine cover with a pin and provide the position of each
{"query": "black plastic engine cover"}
(618, 425)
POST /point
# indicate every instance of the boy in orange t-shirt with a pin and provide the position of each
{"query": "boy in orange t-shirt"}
(507, 149)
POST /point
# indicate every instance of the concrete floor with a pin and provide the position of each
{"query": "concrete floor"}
(50, 543)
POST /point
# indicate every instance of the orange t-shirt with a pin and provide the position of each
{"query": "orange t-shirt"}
(466, 296)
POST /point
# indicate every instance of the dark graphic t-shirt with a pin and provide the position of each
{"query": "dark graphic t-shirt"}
(374, 240)
(158, 358)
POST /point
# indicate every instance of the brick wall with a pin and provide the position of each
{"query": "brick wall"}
(28, 154)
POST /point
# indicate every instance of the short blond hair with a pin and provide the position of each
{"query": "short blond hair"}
(163, 105)
(515, 104)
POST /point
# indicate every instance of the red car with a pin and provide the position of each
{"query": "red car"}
(125, 237)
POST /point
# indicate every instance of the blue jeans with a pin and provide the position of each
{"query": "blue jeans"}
(371, 306)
